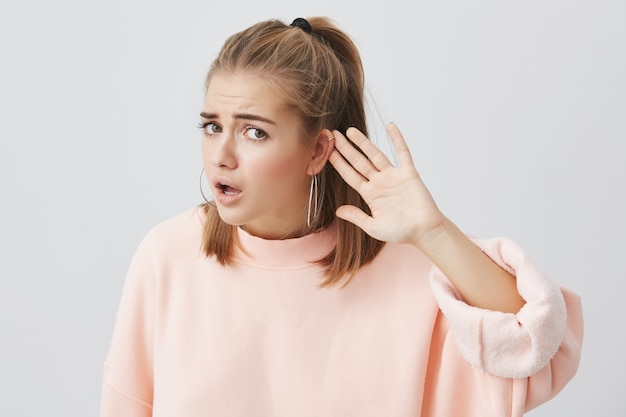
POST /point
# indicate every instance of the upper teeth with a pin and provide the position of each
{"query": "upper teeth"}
(227, 189)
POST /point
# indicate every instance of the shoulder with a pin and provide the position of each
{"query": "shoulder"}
(174, 236)
(179, 225)
(394, 253)
(400, 262)
(170, 249)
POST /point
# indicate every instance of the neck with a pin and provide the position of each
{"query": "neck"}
(276, 233)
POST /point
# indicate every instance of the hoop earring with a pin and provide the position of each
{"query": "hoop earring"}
(311, 203)
(210, 203)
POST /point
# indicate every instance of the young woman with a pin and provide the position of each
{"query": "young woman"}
(322, 280)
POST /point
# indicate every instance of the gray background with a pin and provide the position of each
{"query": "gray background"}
(514, 112)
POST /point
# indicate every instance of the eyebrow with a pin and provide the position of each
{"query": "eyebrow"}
(245, 116)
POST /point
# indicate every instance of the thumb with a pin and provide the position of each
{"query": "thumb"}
(354, 215)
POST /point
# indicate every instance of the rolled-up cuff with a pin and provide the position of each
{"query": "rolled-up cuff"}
(505, 344)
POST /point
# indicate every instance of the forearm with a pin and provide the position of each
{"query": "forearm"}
(481, 282)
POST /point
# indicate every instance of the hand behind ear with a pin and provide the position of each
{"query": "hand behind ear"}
(402, 208)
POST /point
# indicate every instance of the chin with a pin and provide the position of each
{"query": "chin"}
(230, 218)
(231, 221)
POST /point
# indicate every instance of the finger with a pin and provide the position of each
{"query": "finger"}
(353, 156)
(404, 153)
(355, 216)
(347, 172)
(375, 155)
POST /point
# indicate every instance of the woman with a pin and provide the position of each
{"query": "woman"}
(322, 280)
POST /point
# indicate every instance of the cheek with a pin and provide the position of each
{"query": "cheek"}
(204, 150)
(286, 170)
(281, 177)
(282, 168)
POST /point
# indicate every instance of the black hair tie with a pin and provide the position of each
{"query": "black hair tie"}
(303, 24)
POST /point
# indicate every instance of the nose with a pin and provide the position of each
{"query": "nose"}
(222, 151)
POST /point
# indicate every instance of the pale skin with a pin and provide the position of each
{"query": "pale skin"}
(253, 143)
(403, 211)
(269, 170)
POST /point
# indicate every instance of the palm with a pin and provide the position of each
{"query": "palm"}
(401, 207)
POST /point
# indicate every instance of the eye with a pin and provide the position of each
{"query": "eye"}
(254, 133)
(210, 128)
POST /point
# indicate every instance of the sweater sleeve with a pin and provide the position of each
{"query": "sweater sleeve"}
(128, 372)
(539, 346)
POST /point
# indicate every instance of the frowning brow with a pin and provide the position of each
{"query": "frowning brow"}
(243, 116)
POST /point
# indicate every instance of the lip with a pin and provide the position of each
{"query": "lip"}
(220, 194)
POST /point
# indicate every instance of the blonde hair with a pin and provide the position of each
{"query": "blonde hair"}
(320, 76)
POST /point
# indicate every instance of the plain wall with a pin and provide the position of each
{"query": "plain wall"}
(515, 113)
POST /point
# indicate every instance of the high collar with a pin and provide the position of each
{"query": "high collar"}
(287, 253)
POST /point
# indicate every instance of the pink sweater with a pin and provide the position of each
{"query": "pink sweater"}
(195, 339)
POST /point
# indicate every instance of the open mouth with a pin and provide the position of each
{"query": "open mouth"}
(228, 190)
(225, 191)
(224, 187)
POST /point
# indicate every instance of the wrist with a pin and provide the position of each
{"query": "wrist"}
(436, 237)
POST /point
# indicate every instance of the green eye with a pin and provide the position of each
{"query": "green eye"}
(212, 128)
(253, 133)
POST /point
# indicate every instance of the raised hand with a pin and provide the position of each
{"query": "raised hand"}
(402, 208)
(403, 211)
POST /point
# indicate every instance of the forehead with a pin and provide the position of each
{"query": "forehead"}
(244, 91)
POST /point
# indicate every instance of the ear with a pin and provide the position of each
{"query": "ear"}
(324, 145)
